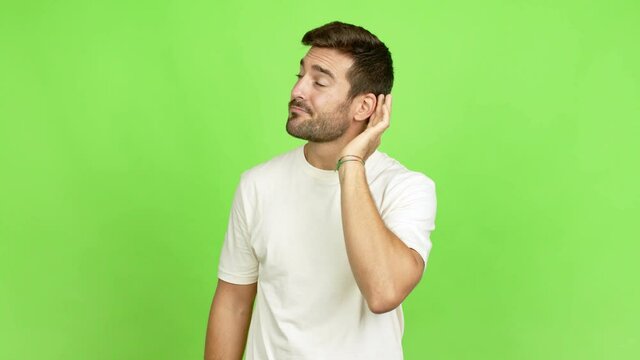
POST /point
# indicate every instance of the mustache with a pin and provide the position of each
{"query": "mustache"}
(299, 104)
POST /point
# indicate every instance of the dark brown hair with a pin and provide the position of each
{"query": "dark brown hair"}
(372, 69)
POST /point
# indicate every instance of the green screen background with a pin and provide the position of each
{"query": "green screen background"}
(125, 125)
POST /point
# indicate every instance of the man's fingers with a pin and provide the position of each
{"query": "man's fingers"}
(386, 109)
(382, 111)
(379, 106)
(375, 116)
(389, 104)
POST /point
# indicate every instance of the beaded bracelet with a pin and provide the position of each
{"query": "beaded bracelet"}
(342, 160)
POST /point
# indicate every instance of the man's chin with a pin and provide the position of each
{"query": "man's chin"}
(291, 130)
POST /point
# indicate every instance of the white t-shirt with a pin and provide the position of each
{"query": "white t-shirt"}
(285, 232)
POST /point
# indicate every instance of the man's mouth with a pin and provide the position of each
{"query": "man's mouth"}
(298, 109)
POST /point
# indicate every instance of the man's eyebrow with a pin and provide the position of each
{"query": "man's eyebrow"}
(319, 68)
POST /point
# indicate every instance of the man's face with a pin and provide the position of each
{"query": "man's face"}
(318, 109)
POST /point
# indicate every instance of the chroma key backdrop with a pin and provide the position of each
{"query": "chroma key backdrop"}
(125, 126)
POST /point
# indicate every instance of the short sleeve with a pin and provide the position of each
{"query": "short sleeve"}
(410, 210)
(238, 263)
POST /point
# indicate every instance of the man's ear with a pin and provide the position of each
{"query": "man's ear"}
(366, 106)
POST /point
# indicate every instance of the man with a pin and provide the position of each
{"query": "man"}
(328, 255)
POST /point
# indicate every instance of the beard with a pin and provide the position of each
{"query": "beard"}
(321, 127)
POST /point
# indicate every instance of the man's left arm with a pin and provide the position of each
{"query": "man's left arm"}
(384, 267)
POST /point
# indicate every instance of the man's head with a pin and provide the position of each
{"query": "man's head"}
(339, 79)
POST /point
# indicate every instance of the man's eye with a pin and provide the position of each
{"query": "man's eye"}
(315, 82)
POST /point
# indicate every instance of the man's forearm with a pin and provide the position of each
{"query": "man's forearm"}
(381, 263)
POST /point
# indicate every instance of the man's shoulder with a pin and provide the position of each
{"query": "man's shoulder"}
(397, 187)
(394, 173)
(279, 165)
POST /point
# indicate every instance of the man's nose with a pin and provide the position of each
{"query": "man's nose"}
(299, 90)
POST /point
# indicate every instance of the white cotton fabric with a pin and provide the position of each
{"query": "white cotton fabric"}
(285, 232)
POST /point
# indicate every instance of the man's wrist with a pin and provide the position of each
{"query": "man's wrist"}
(350, 170)
(348, 158)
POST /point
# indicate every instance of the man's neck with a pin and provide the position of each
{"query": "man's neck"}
(323, 155)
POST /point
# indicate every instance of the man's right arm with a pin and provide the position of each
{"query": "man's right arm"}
(229, 320)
